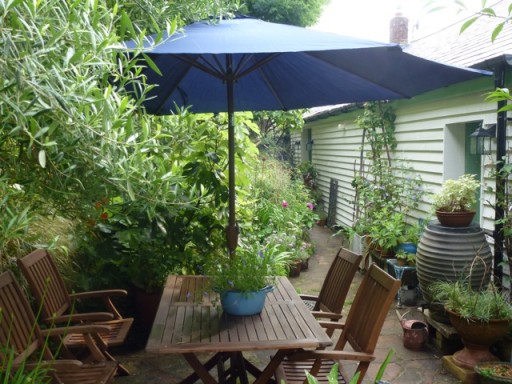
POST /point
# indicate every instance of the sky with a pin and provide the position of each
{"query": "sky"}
(369, 19)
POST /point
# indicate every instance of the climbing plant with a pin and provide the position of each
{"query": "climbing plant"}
(381, 183)
(372, 178)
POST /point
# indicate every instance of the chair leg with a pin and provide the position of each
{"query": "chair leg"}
(122, 370)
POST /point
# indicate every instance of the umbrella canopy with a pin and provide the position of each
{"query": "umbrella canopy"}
(247, 64)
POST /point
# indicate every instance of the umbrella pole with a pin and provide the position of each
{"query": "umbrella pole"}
(232, 229)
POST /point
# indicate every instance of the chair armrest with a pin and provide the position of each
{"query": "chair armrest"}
(67, 365)
(78, 317)
(82, 329)
(309, 297)
(331, 355)
(105, 295)
(102, 293)
(327, 315)
(331, 325)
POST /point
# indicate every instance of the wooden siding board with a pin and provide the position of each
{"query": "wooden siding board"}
(420, 134)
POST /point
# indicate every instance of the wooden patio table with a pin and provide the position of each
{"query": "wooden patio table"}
(190, 321)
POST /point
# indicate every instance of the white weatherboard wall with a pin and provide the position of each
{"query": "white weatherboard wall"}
(430, 135)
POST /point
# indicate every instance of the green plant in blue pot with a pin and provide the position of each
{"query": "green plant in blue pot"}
(243, 280)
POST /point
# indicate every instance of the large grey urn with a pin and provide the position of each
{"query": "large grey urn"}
(448, 254)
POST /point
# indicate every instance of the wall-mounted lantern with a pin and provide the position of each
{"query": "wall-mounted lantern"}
(481, 139)
(309, 145)
(297, 143)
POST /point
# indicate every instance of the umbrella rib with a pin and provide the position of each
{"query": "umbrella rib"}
(271, 88)
(360, 76)
(237, 73)
(257, 65)
(205, 68)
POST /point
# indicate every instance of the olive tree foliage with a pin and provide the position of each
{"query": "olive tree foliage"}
(154, 15)
(70, 135)
(303, 13)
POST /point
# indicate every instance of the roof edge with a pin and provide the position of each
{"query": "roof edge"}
(334, 111)
(494, 62)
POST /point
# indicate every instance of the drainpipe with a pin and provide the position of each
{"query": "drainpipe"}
(501, 141)
(499, 67)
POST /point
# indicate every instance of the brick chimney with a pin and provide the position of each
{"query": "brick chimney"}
(399, 29)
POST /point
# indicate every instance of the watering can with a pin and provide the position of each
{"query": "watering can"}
(415, 333)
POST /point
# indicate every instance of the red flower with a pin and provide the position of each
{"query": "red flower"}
(104, 216)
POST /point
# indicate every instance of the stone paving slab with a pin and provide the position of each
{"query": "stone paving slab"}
(422, 367)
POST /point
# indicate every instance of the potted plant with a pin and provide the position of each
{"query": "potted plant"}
(243, 279)
(410, 238)
(411, 259)
(304, 252)
(494, 372)
(309, 174)
(401, 257)
(322, 218)
(140, 251)
(386, 231)
(481, 317)
(453, 202)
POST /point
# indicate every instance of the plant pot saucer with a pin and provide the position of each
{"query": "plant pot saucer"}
(494, 372)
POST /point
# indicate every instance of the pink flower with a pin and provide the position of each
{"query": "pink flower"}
(310, 206)
(284, 204)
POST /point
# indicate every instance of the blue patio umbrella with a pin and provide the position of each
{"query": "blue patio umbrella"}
(246, 64)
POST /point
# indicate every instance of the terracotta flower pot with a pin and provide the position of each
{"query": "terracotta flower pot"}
(294, 269)
(477, 337)
(455, 219)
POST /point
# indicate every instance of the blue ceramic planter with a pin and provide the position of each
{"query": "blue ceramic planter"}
(244, 304)
(407, 247)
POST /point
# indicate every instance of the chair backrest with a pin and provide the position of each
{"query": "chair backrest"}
(19, 331)
(46, 284)
(368, 311)
(21, 338)
(337, 282)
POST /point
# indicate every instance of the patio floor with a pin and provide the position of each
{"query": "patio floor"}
(406, 367)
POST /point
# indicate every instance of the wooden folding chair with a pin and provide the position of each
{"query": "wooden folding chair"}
(58, 306)
(334, 291)
(21, 337)
(361, 331)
